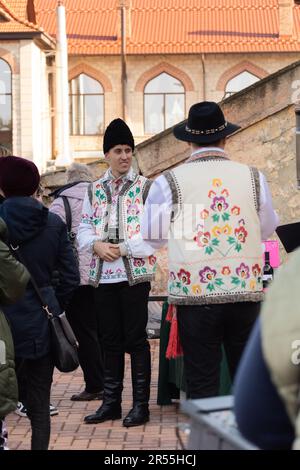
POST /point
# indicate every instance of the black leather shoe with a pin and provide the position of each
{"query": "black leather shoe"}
(86, 396)
(138, 415)
(104, 413)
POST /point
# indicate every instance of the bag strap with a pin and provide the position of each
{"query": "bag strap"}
(19, 256)
(68, 213)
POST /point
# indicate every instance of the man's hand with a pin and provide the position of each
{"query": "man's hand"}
(106, 251)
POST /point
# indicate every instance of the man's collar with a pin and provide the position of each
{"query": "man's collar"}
(205, 152)
(129, 176)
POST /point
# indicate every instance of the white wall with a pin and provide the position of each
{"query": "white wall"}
(34, 110)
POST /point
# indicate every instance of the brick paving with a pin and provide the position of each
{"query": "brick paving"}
(69, 432)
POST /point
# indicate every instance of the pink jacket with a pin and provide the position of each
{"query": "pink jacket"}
(75, 196)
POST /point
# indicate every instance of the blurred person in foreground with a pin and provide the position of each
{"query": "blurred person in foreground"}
(13, 281)
(41, 238)
(267, 385)
(81, 311)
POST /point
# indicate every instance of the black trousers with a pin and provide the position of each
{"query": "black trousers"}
(123, 314)
(203, 329)
(83, 318)
(37, 379)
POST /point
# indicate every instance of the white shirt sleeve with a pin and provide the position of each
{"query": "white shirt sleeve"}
(86, 233)
(157, 214)
(155, 221)
(269, 219)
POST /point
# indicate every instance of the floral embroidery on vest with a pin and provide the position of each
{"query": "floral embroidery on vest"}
(218, 259)
(130, 207)
(221, 211)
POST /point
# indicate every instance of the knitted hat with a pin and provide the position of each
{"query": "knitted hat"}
(117, 133)
(18, 176)
(78, 172)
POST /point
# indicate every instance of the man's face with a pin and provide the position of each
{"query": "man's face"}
(119, 159)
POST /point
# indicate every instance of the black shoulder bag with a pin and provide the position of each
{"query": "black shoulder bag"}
(71, 235)
(64, 346)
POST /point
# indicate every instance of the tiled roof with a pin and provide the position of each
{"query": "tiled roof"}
(16, 13)
(172, 26)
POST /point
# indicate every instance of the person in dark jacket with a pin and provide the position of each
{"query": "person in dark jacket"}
(13, 281)
(41, 237)
(81, 311)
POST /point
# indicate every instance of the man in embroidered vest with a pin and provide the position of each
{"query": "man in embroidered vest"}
(215, 213)
(111, 213)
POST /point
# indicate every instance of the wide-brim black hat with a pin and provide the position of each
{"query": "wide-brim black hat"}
(205, 124)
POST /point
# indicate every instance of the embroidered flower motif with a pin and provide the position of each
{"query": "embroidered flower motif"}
(256, 270)
(225, 192)
(241, 234)
(216, 231)
(243, 271)
(235, 210)
(204, 214)
(93, 263)
(242, 222)
(184, 276)
(227, 229)
(196, 289)
(202, 239)
(207, 274)
(226, 271)
(152, 260)
(211, 193)
(108, 272)
(133, 209)
(118, 270)
(217, 182)
(172, 276)
(219, 204)
(138, 262)
(252, 284)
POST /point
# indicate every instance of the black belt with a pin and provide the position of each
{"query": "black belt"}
(114, 241)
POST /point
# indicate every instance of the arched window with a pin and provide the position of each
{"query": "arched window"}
(86, 106)
(164, 103)
(5, 106)
(239, 82)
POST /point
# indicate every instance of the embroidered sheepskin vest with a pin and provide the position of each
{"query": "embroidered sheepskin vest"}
(215, 251)
(130, 208)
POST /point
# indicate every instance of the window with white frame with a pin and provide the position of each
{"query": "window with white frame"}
(164, 103)
(86, 106)
(5, 107)
(239, 82)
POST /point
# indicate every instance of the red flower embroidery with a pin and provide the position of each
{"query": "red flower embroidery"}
(235, 210)
(226, 271)
(241, 234)
(202, 239)
(184, 276)
(152, 260)
(256, 270)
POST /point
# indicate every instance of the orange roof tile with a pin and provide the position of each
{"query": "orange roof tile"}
(16, 12)
(172, 26)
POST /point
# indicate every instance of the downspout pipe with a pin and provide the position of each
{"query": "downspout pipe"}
(297, 112)
(203, 77)
(123, 59)
(63, 157)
